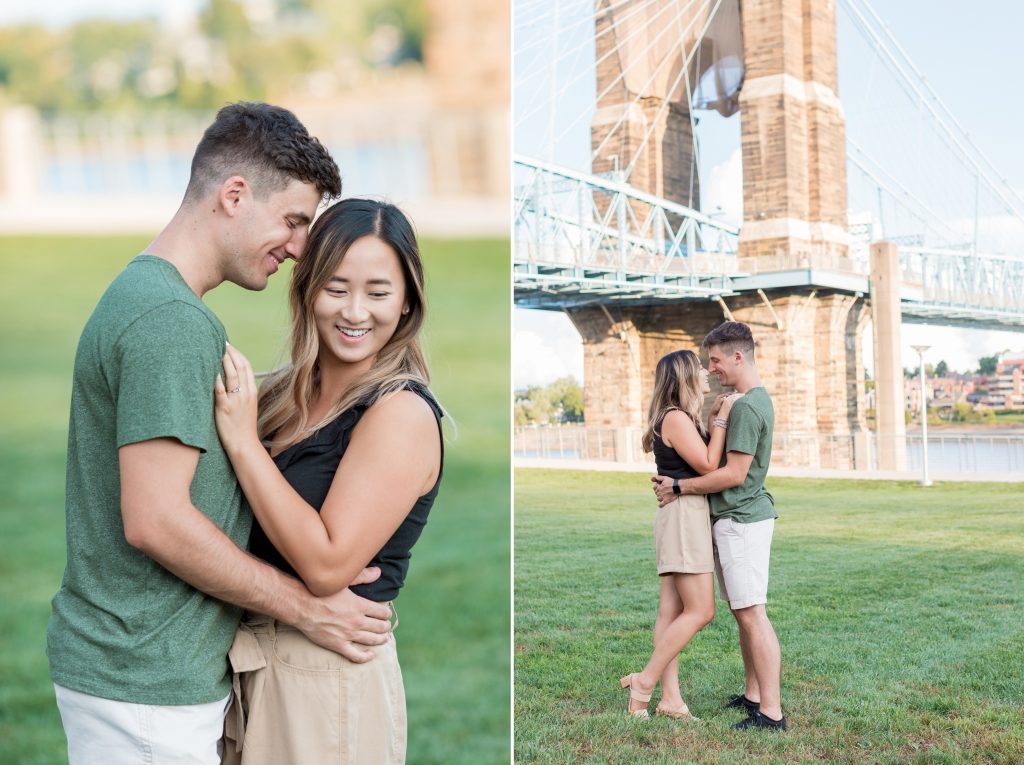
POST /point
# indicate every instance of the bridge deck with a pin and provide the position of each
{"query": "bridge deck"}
(557, 287)
(583, 239)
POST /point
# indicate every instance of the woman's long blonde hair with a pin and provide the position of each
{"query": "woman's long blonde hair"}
(676, 386)
(288, 393)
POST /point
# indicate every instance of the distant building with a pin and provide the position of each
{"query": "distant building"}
(1007, 385)
(945, 391)
(1004, 389)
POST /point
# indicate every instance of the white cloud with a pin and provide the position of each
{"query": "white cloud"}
(724, 189)
(545, 347)
(536, 362)
(959, 348)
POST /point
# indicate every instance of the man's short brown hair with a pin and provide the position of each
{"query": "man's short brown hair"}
(266, 145)
(731, 336)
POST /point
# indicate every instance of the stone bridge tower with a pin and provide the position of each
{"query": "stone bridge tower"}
(643, 114)
(794, 193)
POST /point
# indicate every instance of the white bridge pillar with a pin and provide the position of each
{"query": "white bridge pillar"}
(891, 427)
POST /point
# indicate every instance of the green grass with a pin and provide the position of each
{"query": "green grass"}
(898, 610)
(1013, 415)
(454, 633)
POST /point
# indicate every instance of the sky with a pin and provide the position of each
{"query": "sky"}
(968, 60)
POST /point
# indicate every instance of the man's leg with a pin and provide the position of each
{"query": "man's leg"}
(743, 552)
(121, 733)
(758, 639)
(751, 689)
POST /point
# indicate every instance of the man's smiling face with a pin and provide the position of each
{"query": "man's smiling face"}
(270, 231)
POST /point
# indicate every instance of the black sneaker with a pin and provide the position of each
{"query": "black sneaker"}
(758, 720)
(742, 702)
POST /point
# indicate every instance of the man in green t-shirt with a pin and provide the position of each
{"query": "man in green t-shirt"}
(743, 517)
(157, 573)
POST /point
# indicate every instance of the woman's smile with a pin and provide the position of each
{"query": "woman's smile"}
(359, 308)
(353, 335)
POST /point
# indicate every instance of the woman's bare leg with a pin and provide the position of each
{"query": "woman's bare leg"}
(670, 607)
(697, 592)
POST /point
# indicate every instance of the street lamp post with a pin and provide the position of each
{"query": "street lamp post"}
(924, 415)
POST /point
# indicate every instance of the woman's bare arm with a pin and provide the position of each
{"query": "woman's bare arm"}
(393, 454)
(392, 459)
(679, 432)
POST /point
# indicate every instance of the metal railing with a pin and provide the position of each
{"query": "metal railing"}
(864, 451)
(579, 235)
(582, 238)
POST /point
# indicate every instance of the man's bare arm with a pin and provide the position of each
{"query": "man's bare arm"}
(733, 473)
(161, 521)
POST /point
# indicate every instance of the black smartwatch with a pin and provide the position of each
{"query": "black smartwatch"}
(675, 487)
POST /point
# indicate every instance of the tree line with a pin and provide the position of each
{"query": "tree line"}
(560, 401)
(986, 366)
(306, 46)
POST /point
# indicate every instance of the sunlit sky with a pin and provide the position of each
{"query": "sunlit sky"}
(967, 58)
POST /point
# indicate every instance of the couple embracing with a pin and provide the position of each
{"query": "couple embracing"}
(715, 515)
(234, 550)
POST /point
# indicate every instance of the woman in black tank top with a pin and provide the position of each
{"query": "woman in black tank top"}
(683, 448)
(339, 455)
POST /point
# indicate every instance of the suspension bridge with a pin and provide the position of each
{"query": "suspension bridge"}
(870, 210)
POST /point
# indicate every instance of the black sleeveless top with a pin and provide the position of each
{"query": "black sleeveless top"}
(309, 466)
(669, 462)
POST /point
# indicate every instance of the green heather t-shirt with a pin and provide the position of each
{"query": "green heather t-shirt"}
(751, 425)
(123, 627)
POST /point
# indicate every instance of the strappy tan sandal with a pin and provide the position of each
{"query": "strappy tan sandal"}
(634, 695)
(676, 714)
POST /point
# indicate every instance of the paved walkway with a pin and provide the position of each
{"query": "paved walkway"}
(860, 475)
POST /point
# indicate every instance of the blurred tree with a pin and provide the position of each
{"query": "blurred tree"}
(987, 365)
(35, 67)
(528, 393)
(225, 20)
(314, 46)
(560, 401)
(941, 369)
(566, 398)
(962, 412)
(353, 25)
(107, 59)
(526, 413)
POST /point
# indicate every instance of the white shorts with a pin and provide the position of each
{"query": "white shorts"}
(121, 733)
(742, 551)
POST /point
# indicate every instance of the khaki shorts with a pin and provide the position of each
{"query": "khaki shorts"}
(682, 536)
(742, 551)
(295, 702)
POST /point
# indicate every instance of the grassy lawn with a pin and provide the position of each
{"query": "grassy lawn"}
(898, 610)
(454, 633)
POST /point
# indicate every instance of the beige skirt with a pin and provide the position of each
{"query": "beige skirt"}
(682, 536)
(295, 702)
